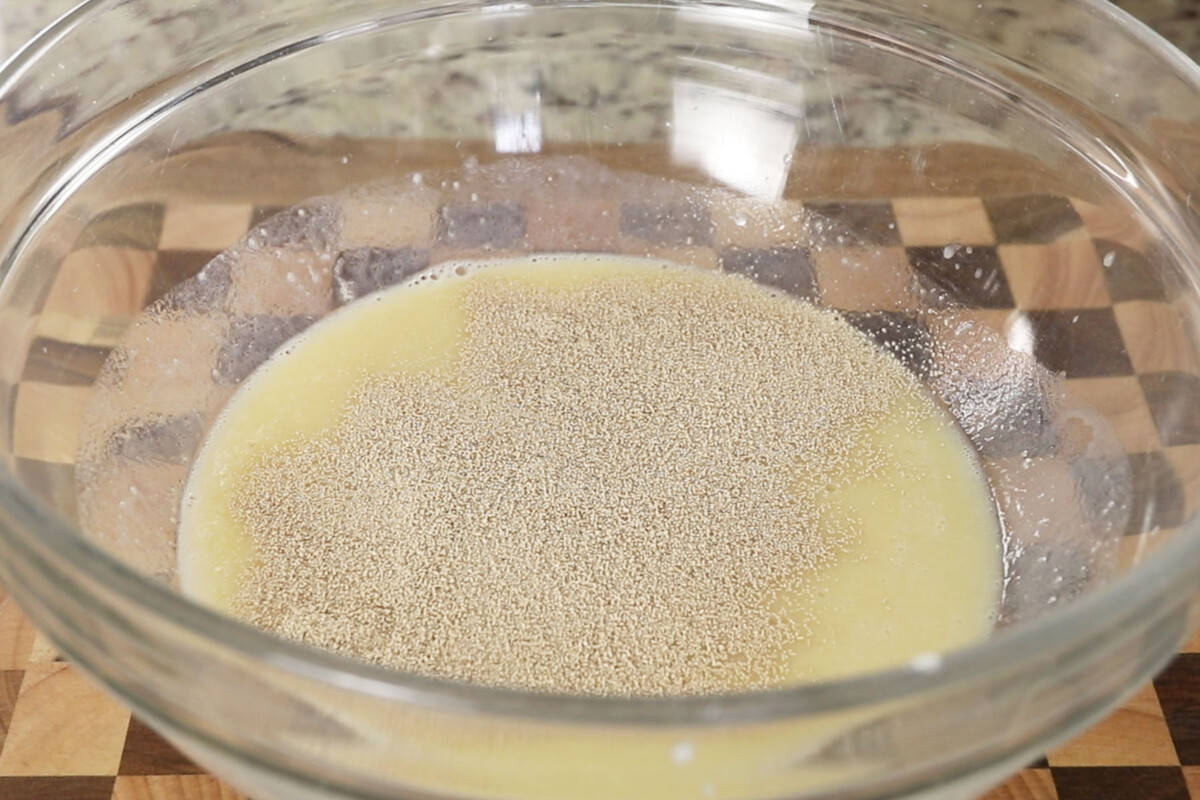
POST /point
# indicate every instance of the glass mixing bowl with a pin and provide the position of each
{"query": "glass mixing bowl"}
(1000, 193)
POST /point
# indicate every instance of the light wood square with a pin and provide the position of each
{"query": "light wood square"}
(1135, 548)
(99, 282)
(703, 257)
(746, 222)
(17, 331)
(16, 634)
(172, 787)
(42, 651)
(166, 368)
(687, 255)
(1136, 734)
(1191, 776)
(1063, 274)
(1032, 491)
(63, 725)
(282, 282)
(1123, 405)
(1155, 337)
(407, 219)
(865, 279)
(132, 513)
(936, 221)
(558, 223)
(89, 331)
(1111, 223)
(46, 421)
(67, 328)
(204, 226)
(1028, 784)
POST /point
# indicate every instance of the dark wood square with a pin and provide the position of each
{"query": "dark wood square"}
(63, 363)
(174, 267)
(902, 335)
(668, 223)
(53, 483)
(364, 270)
(171, 440)
(251, 341)
(965, 276)
(57, 788)
(851, 224)
(261, 214)
(147, 753)
(1033, 218)
(786, 268)
(206, 290)
(1129, 273)
(8, 405)
(1174, 402)
(1158, 500)
(1081, 343)
(1119, 783)
(10, 685)
(481, 224)
(312, 225)
(1178, 689)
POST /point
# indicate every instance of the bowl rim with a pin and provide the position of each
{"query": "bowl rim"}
(89, 571)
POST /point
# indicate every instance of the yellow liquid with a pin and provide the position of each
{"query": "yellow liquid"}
(922, 576)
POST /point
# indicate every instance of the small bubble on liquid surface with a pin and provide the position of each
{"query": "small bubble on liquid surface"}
(683, 752)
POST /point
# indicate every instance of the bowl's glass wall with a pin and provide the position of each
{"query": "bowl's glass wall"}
(1014, 223)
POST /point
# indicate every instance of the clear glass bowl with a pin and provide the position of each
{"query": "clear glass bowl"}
(1001, 193)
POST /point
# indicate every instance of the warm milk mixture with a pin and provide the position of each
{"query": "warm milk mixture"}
(594, 474)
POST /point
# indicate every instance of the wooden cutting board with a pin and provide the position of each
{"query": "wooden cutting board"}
(61, 738)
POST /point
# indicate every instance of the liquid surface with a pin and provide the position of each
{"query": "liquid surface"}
(593, 474)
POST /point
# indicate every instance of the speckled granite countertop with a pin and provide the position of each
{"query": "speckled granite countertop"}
(1177, 20)
(311, 104)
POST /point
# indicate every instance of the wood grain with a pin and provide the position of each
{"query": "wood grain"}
(63, 725)
(1134, 735)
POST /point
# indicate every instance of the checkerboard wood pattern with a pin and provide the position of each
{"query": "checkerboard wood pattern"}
(1054, 259)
